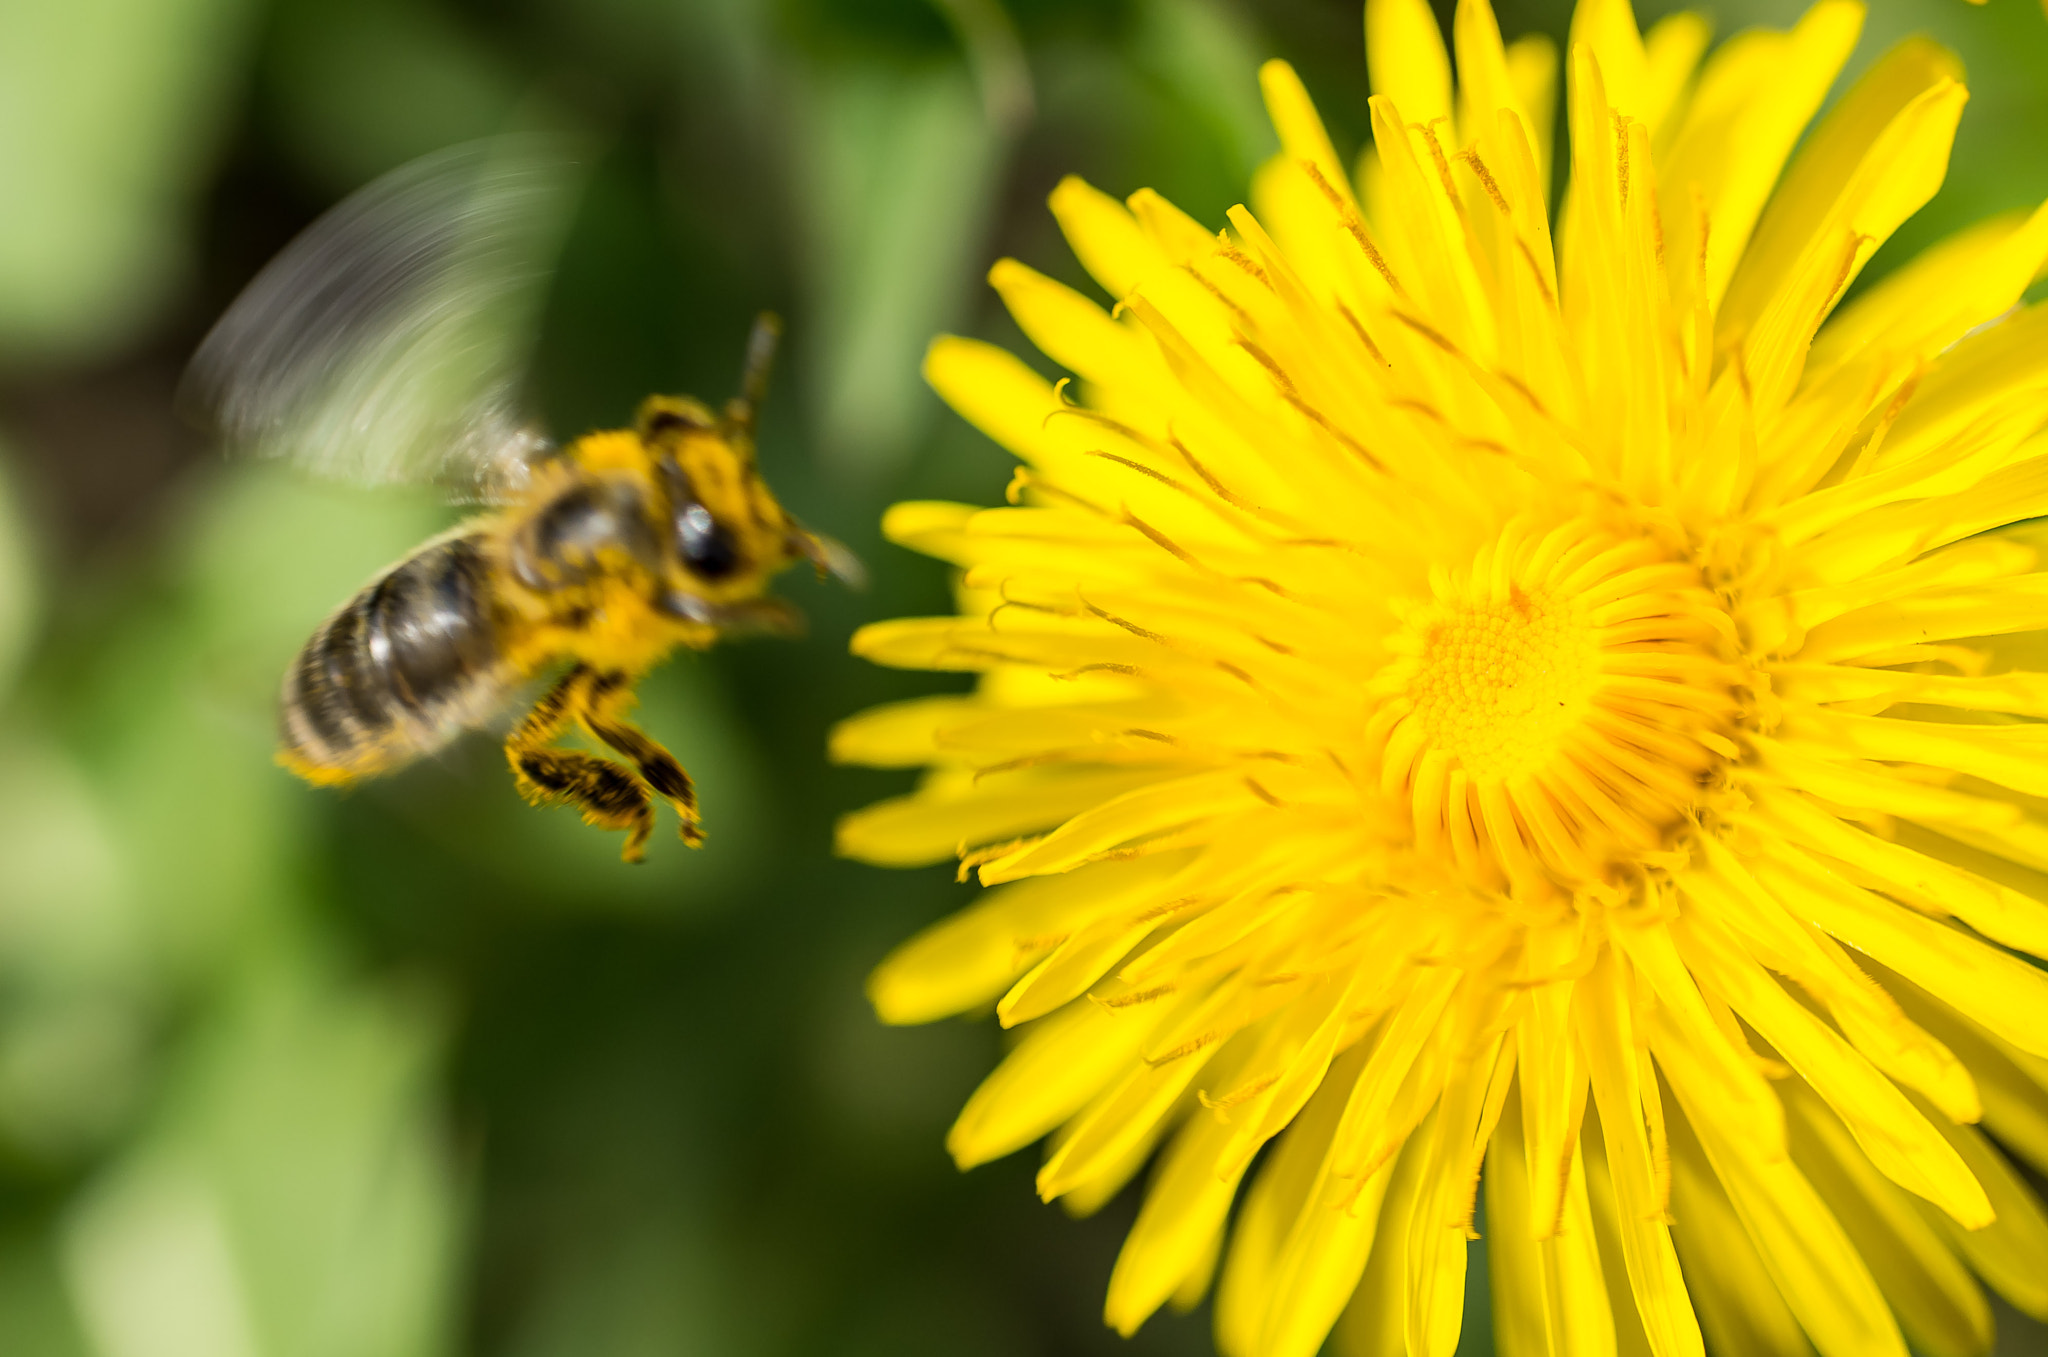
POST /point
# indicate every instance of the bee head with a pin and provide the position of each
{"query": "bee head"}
(726, 531)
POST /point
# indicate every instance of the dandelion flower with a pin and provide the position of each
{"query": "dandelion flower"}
(1485, 724)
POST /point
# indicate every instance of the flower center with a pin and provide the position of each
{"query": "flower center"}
(1558, 709)
(1499, 685)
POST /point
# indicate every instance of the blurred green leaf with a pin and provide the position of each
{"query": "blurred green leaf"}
(108, 112)
(182, 702)
(362, 86)
(868, 30)
(17, 579)
(292, 1200)
(154, 1273)
(1207, 55)
(898, 167)
(988, 39)
(649, 1293)
(36, 1315)
(74, 994)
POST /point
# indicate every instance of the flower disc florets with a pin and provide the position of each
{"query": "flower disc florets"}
(1557, 709)
(1512, 719)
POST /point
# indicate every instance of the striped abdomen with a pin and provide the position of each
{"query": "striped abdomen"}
(402, 667)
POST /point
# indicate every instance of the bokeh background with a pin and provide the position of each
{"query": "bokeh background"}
(416, 1070)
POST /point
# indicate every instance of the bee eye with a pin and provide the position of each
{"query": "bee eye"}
(706, 547)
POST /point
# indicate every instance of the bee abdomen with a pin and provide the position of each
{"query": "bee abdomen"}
(399, 668)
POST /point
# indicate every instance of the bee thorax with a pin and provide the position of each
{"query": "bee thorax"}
(566, 542)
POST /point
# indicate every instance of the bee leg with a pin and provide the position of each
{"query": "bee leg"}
(607, 793)
(604, 701)
(609, 796)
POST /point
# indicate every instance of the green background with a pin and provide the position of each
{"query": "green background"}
(416, 1070)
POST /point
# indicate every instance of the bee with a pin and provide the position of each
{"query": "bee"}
(381, 346)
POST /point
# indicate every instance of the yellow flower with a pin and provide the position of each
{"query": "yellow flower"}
(1431, 673)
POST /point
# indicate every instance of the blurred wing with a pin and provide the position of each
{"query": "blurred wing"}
(833, 558)
(389, 341)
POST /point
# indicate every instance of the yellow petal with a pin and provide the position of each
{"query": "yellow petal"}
(2014, 1084)
(1938, 1303)
(1532, 72)
(1302, 136)
(971, 644)
(1179, 237)
(931, 826)
(2010, 755)
(2012, 1252)
(1404, 57)
(1073, 331)
(994, 390)
(1088, 1194)
(1291, 1204)
(1425, 237)
(1981, 982)
(1552, 1077)
(1292, 1063)
(1438, 1227)
(1601, 1013)
(968, 958)
(1740, 1307)
(1885, 1122)
(2000, 367)
(1320, 1266)
(1745, 1099)
(1935, 887)
(1869, 165)
(1608, 29)
(1184, 1211)
(1817, 1269)
(898, 735)
(931, 526)
(1120, 1126)
(1061, 1064)
(1892, 535)
(1371, 1127)
(1104, 236)
(1671, 49)
(1484, 84)
(1549, 1298)
(1630, 1336)
(1609, 249)
(1918, 310)
(1754, 97)
(1299, 216)
(1374, 1324)
(1077, 963)
(1122, 820)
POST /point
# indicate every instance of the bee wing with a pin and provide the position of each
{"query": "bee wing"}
(833, 558)
(389, 341)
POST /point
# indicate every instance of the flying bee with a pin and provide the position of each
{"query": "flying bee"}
(624, 545)
(383, 345)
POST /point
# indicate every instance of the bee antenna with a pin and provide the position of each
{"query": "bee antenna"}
(741, 409)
